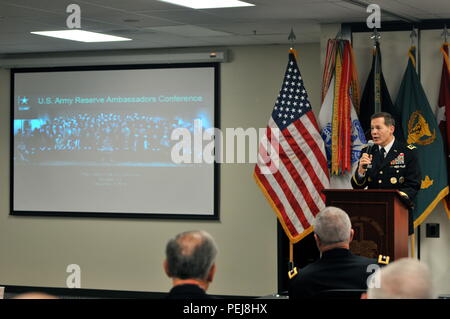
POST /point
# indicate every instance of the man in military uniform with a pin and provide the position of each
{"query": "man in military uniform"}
(337, 267)
(389, 164)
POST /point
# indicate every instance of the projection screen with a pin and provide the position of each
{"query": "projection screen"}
(91, 141)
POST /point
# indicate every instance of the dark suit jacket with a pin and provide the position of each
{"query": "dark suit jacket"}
(188, 291)
(398, 170)
(336, 269)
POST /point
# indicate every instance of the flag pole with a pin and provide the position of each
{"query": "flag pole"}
(375, 36)
(445, 34)
(291, 268)
(413, 36)
(292, 38)
(413, 245)
(291, 255)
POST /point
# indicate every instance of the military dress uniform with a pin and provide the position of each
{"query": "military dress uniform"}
(399, 170)
(336, 269)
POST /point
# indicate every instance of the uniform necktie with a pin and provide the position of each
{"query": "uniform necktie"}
(383, 152)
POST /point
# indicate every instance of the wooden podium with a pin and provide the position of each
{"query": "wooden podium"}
(379, 218)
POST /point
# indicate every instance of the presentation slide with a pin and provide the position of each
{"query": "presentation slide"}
(100, 141)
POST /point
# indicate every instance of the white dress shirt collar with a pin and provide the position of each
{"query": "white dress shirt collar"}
(388, 147)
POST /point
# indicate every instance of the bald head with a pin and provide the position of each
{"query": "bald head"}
(405, 278)
(189, 241)
(34, 295)
(190, 255)
(332, 226)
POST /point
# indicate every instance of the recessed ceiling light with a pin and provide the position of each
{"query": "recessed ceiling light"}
(209, 4)
(80, 35)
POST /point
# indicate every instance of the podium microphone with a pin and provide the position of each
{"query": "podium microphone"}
(368, 151)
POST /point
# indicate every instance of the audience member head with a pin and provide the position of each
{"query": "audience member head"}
(35, 295)
(332, 229)
(405, 278)
(190, 258)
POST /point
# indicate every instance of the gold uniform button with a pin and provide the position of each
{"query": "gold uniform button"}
(380, 181)
(393, 180)
(381, 172)
(398, 171)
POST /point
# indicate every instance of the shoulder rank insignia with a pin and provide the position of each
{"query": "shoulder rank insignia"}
(411, 147)
(383, 259)
(292, 273)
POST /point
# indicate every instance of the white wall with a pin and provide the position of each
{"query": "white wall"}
(394, 49)
(127, 254)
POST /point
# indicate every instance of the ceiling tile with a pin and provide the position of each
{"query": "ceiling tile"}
(189, 31)
(132, 6)
(270, 19)
(187, 16)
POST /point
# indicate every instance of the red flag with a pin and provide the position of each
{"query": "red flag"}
(292, 166)
(443, 113)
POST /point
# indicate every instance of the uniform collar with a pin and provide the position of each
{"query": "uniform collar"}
(336, 252)
(188, 286)
(388, 147)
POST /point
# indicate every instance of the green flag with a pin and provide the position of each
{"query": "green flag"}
(421, 130)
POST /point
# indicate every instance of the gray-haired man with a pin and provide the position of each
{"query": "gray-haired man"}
(190, 262)
(405, 278)
(337, 267)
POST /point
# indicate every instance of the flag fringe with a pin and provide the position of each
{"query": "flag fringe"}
(294, 52)
(330, 61)
(292, 239)
(335, 147)
(419, 220)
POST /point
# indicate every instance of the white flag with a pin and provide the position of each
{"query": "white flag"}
(358, 138)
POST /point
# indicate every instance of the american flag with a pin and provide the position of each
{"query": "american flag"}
(293, 145)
